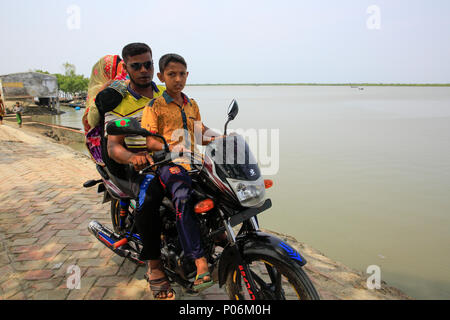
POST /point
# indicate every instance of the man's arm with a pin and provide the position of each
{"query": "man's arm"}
(154, 145)
(118, 153)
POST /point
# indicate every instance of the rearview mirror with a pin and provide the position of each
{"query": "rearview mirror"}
(233, 110)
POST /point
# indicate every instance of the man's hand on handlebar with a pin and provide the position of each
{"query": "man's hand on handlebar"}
(140, 160)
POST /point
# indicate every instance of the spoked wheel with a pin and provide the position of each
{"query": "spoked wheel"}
(275, 280)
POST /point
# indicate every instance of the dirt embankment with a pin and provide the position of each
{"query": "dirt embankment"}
(61, 134)
(31, 110)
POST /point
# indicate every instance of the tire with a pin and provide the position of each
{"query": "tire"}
(115, 214)
(293, 282)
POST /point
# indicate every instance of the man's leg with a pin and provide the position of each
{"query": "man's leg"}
(148, 223)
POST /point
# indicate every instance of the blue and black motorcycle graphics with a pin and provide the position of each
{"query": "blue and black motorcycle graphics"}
(260, 244)
(291, 252)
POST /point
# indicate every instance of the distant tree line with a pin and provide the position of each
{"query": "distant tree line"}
(70, 83)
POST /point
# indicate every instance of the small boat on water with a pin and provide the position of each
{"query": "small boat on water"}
(78, 104)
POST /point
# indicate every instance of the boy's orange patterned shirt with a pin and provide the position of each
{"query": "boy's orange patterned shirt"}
(173, 122)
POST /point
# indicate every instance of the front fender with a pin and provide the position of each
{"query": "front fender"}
(258, 243)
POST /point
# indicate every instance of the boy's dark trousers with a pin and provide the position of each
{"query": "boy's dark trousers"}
(178, 185)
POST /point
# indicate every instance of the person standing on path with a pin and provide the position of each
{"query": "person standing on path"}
(2, 110)
(18, 109)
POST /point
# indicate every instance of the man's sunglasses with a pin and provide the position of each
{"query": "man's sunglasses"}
(138, 65)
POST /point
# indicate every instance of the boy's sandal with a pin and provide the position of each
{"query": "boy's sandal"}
(204, 284)
(160, 286)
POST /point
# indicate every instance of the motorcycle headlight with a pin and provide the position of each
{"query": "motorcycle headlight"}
(249, 193)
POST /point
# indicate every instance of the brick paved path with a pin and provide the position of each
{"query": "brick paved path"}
(44, 214)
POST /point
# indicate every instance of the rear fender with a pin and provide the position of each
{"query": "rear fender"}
(258, 243)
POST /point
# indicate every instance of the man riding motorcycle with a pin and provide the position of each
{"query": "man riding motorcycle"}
(119, 152)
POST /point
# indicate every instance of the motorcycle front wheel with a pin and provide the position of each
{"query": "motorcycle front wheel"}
(275, 280)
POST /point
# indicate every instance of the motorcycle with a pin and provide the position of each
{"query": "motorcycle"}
(229, 193)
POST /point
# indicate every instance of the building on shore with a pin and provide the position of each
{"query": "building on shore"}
(36, 87)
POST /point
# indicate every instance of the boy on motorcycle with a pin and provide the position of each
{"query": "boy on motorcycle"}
(167, 115)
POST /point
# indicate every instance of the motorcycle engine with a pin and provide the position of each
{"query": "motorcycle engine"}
(175, 260)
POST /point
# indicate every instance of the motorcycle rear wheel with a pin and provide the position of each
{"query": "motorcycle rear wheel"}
(275, 280)
(115, 216)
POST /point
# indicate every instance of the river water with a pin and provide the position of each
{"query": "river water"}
(361, 175)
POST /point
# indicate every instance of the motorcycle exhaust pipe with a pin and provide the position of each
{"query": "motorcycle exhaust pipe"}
(109, 239)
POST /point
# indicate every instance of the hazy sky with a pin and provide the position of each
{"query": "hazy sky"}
(238, 41)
